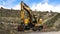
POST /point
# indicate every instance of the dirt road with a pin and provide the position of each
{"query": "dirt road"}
(58, 32)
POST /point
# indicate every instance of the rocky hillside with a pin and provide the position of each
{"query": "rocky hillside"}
(10, 15)
(9, 19)
(53, 23)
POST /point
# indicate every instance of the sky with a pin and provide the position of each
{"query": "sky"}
(39, 5)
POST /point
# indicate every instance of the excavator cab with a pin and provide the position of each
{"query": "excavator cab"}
(34, 19)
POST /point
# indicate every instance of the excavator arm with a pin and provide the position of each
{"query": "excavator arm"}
(24, 8)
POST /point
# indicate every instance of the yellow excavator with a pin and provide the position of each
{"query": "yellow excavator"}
(29, 21)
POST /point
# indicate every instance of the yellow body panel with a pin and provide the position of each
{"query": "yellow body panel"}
(40, 21)
(26, 21)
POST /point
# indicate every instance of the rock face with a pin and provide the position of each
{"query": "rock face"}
(10, 19)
